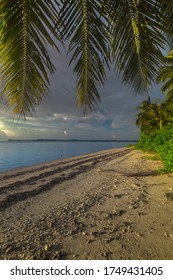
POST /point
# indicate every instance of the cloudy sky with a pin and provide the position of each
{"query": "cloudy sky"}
(58, 118)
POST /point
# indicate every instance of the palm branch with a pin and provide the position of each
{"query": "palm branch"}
(27, 27)
(84, 25)
(133, 29)
(153, 116)
(166, 75)
(137, 39)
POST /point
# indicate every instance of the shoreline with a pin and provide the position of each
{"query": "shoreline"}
(56, 161)
(106, 205)
(60, 155)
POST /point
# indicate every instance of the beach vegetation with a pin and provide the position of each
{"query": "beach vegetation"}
(152, 156)
(154, 116)
(160, 142)
(166, 76)
(155, 121)
(129, 34)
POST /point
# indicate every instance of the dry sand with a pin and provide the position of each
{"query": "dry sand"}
(107, 205)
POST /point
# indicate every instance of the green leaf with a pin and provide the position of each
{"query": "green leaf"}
(137, 39)
(166, 75)
(83, 23)
(27, 28)
(133, 29)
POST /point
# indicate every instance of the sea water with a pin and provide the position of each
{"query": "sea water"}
(14, 154)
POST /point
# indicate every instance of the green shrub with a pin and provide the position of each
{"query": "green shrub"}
(161, 142)
(166, 154)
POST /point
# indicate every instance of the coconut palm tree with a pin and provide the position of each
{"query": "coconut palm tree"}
(143, 117)
(168, 109)
(153, 116)
(127, 33)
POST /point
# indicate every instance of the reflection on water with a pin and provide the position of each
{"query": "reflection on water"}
(18, 154)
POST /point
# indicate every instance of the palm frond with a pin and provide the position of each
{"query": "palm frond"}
(28, 28)
(136, 29)
(167, 11)
(83, 24)
(166, 75)
(168, 87)
(137, 40)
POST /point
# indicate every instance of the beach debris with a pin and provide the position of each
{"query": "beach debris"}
(99, 170)
(169, 196)
(94, 233)
(106, 254)
(46, 247)
(90, 241)
(168, 235)
(109, 239)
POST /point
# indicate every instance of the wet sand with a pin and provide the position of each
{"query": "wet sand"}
(106, 205)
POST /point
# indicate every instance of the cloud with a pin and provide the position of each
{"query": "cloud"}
(3, 136)
(115, 116)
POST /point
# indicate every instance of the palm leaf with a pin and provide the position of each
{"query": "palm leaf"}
(24, 58)
(134, 27)
(83, 24)
(166, 75)
(137, 39)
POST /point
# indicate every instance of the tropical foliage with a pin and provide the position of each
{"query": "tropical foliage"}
(153, 116)
(160, 142)
(156, 124)
(127, 33)
(26, 27)
(166, 75)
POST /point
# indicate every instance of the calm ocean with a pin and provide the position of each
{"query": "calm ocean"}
(18, 154)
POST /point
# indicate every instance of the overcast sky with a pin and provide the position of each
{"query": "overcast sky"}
(58, 118)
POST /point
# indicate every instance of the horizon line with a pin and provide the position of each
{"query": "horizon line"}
(70, 140)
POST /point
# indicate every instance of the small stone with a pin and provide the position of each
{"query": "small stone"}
(105, 254)
(108, 240)
(93, 233)
(46, 247)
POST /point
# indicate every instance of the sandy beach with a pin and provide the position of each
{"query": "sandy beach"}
(106, 205)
